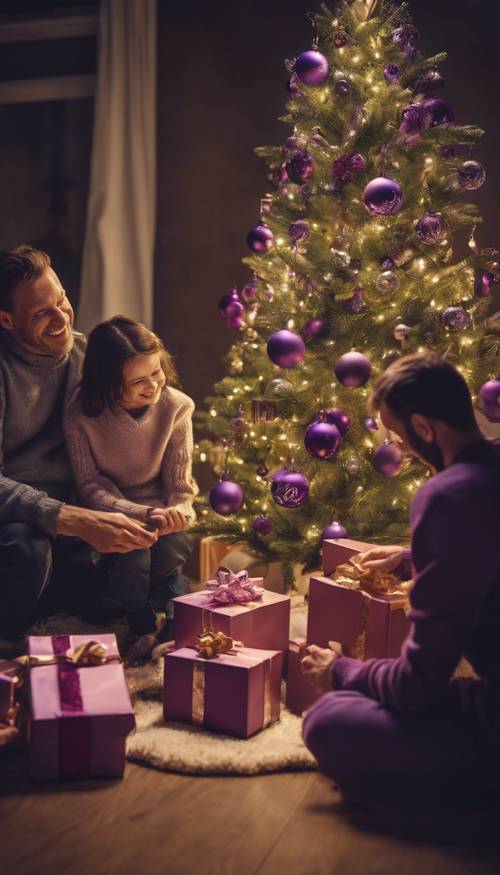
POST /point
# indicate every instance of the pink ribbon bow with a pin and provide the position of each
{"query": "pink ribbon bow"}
(229, 588)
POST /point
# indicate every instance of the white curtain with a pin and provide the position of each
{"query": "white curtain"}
(117, 270)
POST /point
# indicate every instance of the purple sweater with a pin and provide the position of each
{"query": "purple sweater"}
(455, 600)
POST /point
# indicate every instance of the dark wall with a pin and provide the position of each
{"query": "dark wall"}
(220, 91)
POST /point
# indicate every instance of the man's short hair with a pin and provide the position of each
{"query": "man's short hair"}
(18, 266)
(425, 384)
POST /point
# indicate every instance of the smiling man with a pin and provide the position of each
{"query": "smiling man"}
(402, 731)
(40, 364)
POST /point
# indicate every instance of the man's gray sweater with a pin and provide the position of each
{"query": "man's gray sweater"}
(35, 474)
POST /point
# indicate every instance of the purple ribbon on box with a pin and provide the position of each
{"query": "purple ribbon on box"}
(229, 588)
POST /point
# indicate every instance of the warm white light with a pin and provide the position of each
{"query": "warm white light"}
(213, 412)
(203, 457)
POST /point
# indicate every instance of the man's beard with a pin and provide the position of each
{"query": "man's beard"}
(430, 453)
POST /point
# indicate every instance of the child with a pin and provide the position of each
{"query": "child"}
(129, 439)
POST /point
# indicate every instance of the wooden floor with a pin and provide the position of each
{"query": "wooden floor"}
(154, 823)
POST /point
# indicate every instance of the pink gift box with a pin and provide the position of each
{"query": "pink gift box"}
(80, 716)
(337, 552)
(236, 693)
(366, 626)
(300, 694)
(263, 624)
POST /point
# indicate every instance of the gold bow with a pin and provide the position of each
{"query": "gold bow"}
(86, 654)
(353, 575)
(210, 643)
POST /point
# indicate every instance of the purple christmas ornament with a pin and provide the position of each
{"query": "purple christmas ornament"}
(431, 228)
(339, 419)
(347, 166)
(260, 238)
(226, 497)
(387, 263)
(286, 349)
(371, 424)
(312, 68)
(356, 303)
(301, 167)
(289, 488)
(235, 322)
(392, 74)
(437, 112)
(293, 86)
(249, 290)
(431, 80)
(334, 532)
(262, 525)
(490, 400)
(412, 119)
(315, 328)
(406, 37)
(484, 287)
(387, 459)
(456, 317)
(298, 231)
(353, 369)
(471, 175)
(322, 440)
(342, 87)
(383, 196)
(230, 305)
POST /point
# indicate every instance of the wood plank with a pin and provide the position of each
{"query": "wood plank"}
(50, 88)
(55, 27)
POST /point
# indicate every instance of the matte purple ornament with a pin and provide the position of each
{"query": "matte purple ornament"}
(347, 166)
(392, 74)
(262, 525)
(471, 175)
(387, 459)
(293, 85)
(431, 228)
(322, 440)
(312, 68)
(289, 488)
(383, 196)
(260, 238)
(226, 497)
(456, 317)
(412, 119)
(334, 532)
(286, 349)
(437, 112)
(484, 287)
(230, 305)
(298, 230)
(353, 369)
(315, 328)
(371, 423)
(339, 419)
(301, 167)
(490, 400)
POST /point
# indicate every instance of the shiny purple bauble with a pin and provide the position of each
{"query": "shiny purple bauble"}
(406, 36)
(298, 230)
(226, 497)
(235, 322)
(437, 112)
(249, 290)
(387, 262)
(322, 440)
(315, 328)
(431, 228)
(412, 119)
(339, 419)
(293, 85)
(471, 175)
(490, 400)
(371, 423)
(301, 167)
(484, 288)
(353, 369)
(383, 196)
(387, 459)
(289, 488)
(312, 68)
(334, 532)
(392, 74)
(342, 87)
(230, 305)
(456, 317)
(260, 238)
(263, 526)
(286, 349)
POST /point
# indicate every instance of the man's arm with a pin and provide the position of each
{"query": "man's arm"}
(446, 601)
(106, 532)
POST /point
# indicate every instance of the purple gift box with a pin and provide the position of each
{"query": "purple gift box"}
(236, 693)
(339, 551)
(300, 694)
(263, 623)
(80, 715)
(366, 626)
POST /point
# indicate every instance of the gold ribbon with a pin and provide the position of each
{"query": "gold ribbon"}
(198, 690)
(87, 654)
(211, 643)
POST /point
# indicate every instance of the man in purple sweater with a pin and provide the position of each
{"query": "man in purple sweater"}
(403, 731)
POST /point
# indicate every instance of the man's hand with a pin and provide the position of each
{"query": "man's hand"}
(317, 663)
(105, 532)
(382, 558)
(167, 520)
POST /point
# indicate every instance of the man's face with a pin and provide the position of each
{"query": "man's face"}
(41, 317)
(416, 438)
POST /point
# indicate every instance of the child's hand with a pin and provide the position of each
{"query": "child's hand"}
(168, 520)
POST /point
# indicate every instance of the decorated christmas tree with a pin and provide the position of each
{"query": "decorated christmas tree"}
(352, 265)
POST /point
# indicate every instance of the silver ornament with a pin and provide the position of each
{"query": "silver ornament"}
(388, 282)
(341, 259)
(402, 332)
(352, 464)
